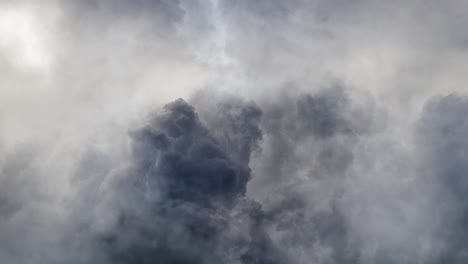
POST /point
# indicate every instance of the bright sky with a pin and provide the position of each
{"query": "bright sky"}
(24, 38)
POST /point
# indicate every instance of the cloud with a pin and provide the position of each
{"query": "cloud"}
(182, 196)
(443, 128)
(311, 131)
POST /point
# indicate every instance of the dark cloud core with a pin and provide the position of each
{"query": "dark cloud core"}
(318, 131)
(190, 193)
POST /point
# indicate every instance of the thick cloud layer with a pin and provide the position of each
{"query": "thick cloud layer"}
(321, 131)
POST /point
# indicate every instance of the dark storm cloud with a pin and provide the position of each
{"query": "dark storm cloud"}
(192, 163)
(190, 174)
(233, 121)
(182, 199)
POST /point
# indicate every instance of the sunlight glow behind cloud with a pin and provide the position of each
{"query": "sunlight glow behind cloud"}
(24, 38)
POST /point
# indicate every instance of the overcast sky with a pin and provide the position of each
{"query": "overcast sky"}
(247, 132)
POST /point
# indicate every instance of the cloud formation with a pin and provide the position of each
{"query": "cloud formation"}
(327, 132)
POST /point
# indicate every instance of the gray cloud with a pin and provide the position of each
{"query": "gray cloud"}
(443, 128)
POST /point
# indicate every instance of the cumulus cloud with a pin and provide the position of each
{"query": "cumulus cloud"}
(182, 197)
